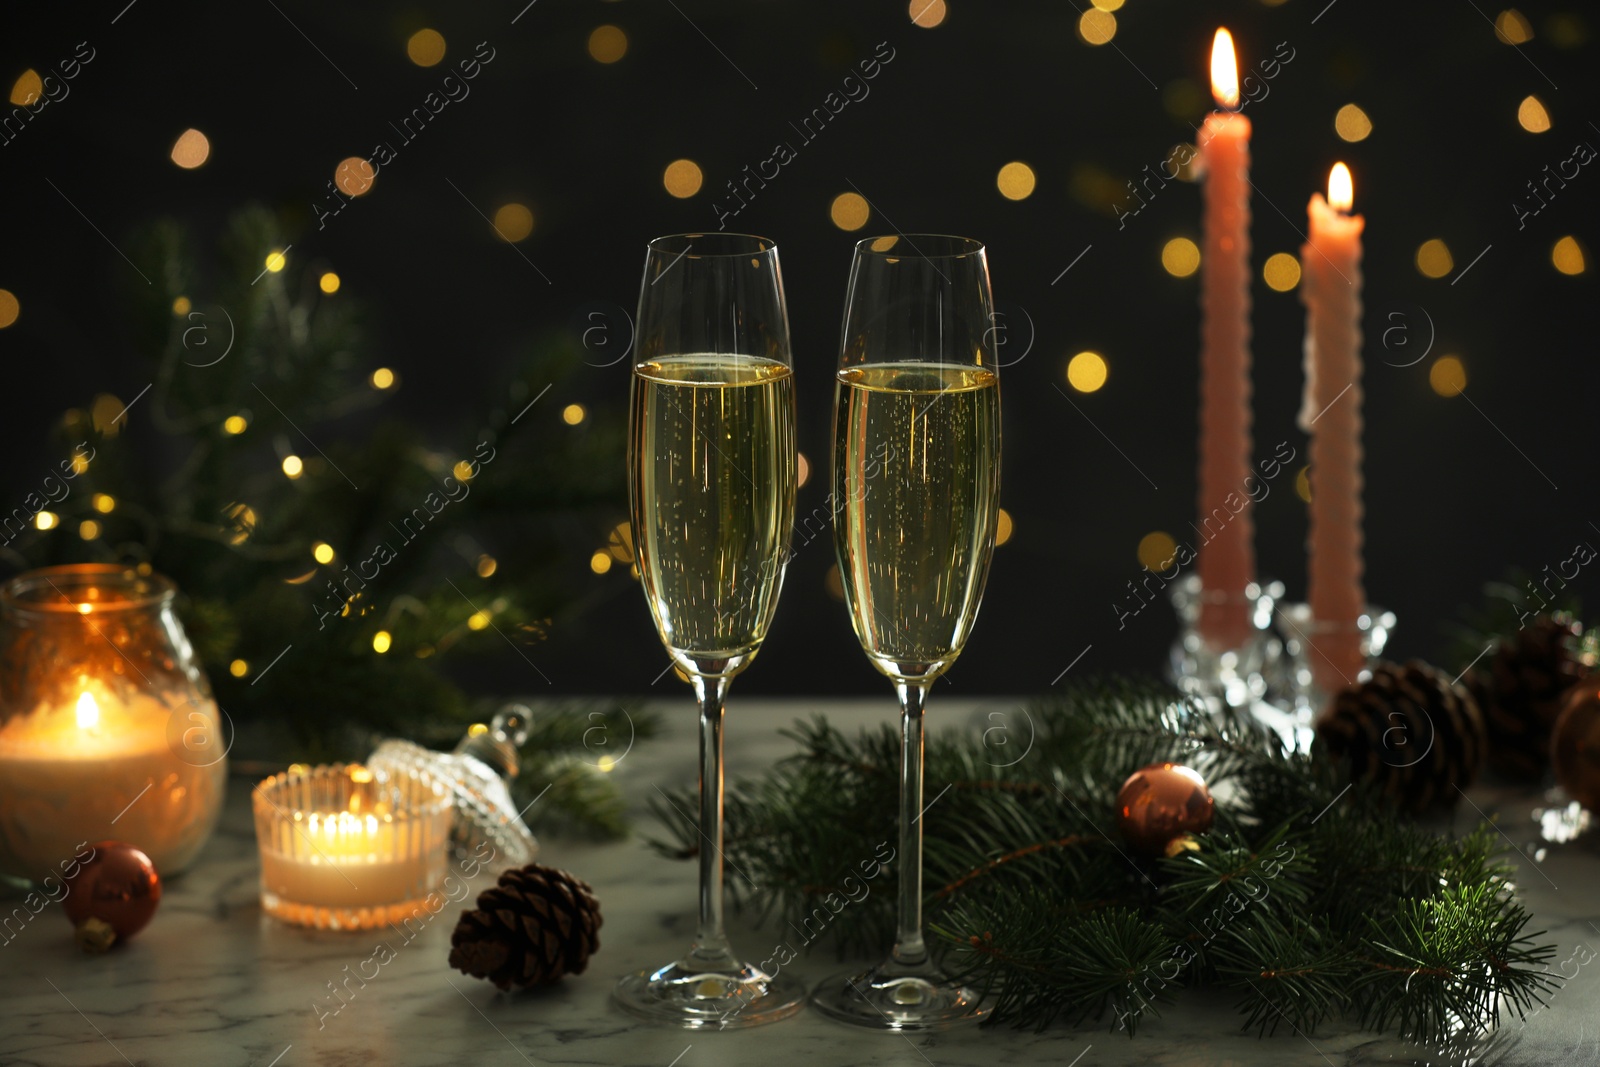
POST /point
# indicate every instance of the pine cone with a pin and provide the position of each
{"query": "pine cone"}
(1520, 690)
(530, 928)
(1408, 730)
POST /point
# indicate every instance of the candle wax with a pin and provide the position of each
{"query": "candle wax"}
(128, 772)
(1331, 290)
(1226, 557)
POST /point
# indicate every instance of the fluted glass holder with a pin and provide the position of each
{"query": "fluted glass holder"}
(343, 848)
(1233, 676)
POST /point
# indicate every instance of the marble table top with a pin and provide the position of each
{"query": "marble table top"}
(212, 981)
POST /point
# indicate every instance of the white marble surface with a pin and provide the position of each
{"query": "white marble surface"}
(212, 981)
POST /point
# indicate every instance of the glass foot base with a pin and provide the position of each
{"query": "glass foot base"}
(878, 1000)
(709, 1000)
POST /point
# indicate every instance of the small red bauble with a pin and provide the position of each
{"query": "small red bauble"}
(116, 888)
(1161, 803)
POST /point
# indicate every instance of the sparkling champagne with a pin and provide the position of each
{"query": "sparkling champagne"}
(915, 504)
(713, 466)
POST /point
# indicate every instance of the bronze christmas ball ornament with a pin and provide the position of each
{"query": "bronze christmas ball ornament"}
(113, 895)
(1163, 802)
(1575, 745)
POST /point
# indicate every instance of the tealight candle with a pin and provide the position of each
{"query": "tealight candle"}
(344, 849)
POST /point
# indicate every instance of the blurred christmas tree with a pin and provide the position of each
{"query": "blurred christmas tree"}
(330, 579)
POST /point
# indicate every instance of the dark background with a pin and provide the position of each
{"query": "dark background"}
(1457, 489)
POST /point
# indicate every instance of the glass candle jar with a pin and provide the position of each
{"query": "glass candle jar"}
(107, 725)
(345, 849)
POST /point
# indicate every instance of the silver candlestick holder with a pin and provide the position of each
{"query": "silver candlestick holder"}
(1239, 677)
(1293, 693)
(1296, 687)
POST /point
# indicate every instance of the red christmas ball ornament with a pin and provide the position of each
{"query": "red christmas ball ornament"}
(112, 896)
(1162, 804)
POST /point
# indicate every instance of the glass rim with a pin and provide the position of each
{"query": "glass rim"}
(48, 591)
(959, 247)
(436, 796)
(681, 243)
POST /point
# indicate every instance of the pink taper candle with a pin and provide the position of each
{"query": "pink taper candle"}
(1331, 290)
(1226, 562)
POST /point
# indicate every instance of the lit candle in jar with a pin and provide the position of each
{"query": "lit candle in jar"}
(106, 766)
(107, 726)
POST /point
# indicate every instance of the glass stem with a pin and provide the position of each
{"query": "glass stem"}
(909, 949)
(711, 949)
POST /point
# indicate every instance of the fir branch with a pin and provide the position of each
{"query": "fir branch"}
(1310, 900)
(1073, 967)
(1015, 854)
(567, 763)
(245, 365)
(1504, 610)
(566, 794)
(1288, 971)
(1451, 961)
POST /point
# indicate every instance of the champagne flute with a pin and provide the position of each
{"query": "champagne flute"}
(916, 481)
(712, 473)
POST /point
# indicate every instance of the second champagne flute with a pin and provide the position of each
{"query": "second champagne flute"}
(916, 483)
(711, 458)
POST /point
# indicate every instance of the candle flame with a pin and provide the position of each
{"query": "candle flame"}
(334, 826)
(88, 711)
(1224, 70)
(1341, 190)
